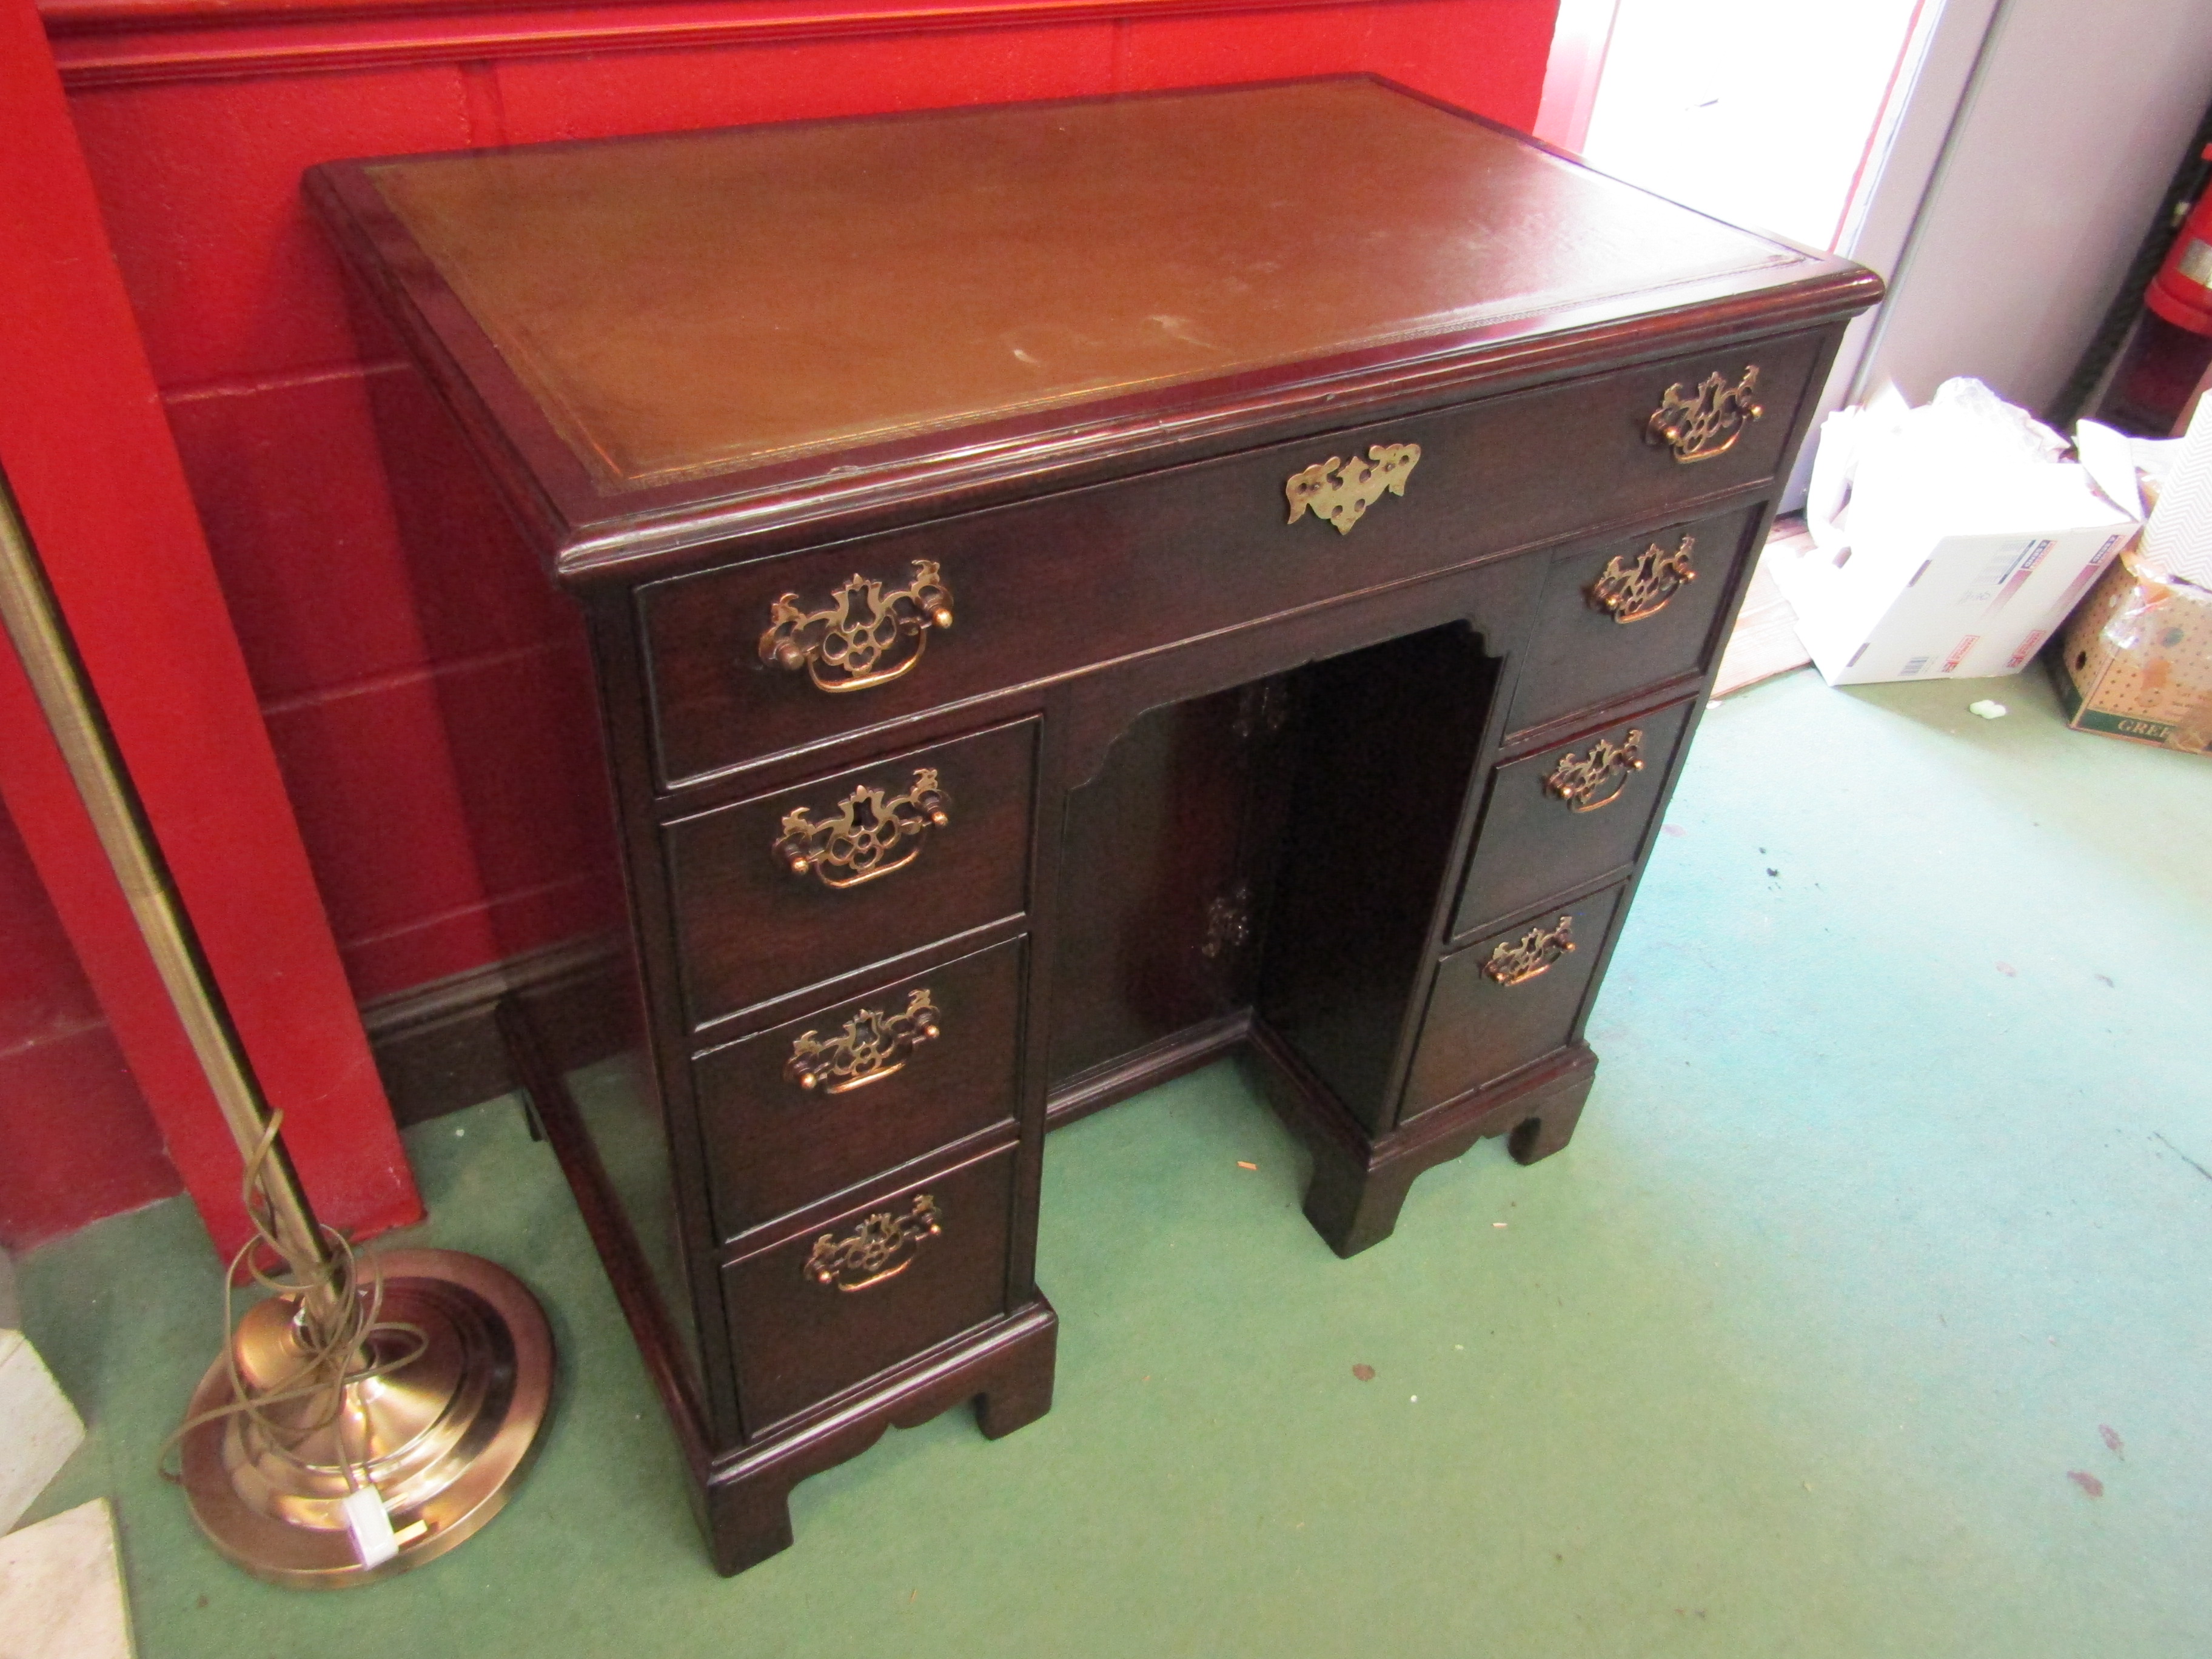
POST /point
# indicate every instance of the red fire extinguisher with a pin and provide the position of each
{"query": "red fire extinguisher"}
(2182, 291)
(2172, 344)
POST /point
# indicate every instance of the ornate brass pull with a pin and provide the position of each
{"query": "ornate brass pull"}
(1587, 782)
(865, 636)
(871, 1046)
(869, 837)
(881, 1248)
(1516, 962)
(1629, 590)
(1699, 428)
(1339, 492)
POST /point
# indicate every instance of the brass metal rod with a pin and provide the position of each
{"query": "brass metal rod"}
(42, 640)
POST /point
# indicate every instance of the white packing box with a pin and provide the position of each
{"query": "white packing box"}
(1950, 541)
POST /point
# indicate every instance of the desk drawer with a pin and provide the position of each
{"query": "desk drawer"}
(1630, 615)
(881, 1284)
(1553, 821)
(1050, 587)
(1508, 999)
(880, 878)
(774, 1145)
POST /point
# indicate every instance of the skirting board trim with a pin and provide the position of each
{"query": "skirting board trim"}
(438, 1046)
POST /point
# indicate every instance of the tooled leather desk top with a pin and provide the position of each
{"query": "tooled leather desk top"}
(703, 302)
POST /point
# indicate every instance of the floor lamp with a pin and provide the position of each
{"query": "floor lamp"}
(365, 1417)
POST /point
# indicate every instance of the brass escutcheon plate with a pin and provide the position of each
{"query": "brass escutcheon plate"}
(870, 837)
(1588, 781)
(1629, 589)
(1339, 492)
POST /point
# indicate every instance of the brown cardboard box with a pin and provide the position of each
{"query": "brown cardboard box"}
(2134, 660)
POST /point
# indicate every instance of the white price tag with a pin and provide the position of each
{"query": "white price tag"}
(370, 1526)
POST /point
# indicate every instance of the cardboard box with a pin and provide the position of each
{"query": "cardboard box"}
(2136, 661)
(1949, 541)
(1942, 607)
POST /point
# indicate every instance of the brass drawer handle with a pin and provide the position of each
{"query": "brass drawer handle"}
(1629, 590)
(871, 1046)
(865, 636)
(869, 837)
(1516, 962)
(881, 1248)
(1699, 428)
(1339, 492)
(1586, 782)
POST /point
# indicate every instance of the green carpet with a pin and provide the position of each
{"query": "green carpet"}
(1865, 1315)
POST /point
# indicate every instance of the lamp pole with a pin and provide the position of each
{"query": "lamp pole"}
(346, 1433)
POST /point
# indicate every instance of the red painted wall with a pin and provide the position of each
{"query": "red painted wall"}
(69, 1108)
(93, 469)
(428, 703)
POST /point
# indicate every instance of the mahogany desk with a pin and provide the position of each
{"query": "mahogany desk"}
(1078, 589)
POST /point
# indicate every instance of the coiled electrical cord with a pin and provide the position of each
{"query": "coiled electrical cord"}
(331, 1362)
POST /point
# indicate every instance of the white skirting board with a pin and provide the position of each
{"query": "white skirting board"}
(61, 1588)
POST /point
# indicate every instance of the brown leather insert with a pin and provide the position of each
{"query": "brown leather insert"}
(699, 302)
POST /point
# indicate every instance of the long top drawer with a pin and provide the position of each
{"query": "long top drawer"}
(753, 660)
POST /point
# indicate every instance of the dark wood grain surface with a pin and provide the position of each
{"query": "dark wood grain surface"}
(1156, 888)
(751, 928)
(1581, 657)
(1196, 549)
(1477, 1030)
(1532, 843)
(775, 1146)
(1385, 742)
(799, 1340)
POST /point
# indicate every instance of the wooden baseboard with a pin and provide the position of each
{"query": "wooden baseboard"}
(438, 1046)
(1765, 642)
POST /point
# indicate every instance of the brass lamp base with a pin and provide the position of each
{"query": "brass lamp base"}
(442, 1438)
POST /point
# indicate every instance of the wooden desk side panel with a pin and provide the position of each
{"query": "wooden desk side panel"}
(622, 712)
